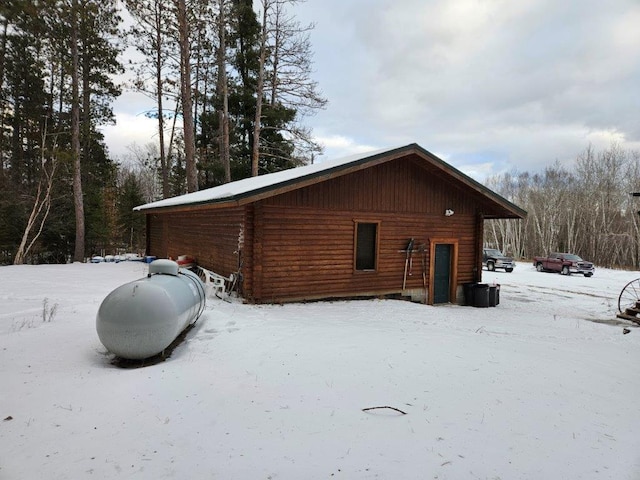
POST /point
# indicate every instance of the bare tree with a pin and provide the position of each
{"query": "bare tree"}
(631, 208)
(143, 162)
(507, 234)
(41, 204)
(151, 33)
(585, 208)
(284, 76)
(547, 206)
(599, 207)
(291, 81)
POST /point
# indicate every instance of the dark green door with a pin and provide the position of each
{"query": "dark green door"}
(442, 273)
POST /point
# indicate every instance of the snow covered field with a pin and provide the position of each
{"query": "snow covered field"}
(535, 388)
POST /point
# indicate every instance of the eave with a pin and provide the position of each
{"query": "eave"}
(504, 208)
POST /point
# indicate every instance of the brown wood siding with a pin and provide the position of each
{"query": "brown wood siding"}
(300, 244)
(479, 244)
(304, 239)
(246, 286)
(211, 236)
(308, 253)
(399, 186)
(156, 244)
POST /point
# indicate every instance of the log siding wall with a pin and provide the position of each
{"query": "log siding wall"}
(211, 236)
(310, 253)
(304, 244)
(300, 244)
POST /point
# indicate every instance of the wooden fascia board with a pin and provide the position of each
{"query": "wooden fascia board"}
(190, 207)
(506, 215)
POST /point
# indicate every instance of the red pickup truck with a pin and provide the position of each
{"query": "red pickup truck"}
(564, 263)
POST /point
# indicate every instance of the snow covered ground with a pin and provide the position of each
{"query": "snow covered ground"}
(535, 388)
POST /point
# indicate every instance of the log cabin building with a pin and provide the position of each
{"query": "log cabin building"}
(337, 229)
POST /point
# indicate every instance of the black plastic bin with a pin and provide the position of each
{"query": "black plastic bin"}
(481, 295)
(468, 288)
(494, 295)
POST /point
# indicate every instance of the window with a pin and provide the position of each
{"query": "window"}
(366, 245)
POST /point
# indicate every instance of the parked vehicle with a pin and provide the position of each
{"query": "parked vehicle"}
(492, 258)
(564, 263)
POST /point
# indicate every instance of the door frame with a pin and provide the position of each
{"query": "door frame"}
(453, 267)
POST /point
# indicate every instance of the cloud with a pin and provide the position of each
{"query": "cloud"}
(336, 146)
(132, 125)
(528, 82)
(488, 85)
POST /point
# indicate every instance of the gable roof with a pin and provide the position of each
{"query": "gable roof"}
(255, 188)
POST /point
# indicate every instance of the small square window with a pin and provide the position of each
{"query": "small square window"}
(366, 245)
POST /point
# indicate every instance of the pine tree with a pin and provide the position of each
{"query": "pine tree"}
(93, 60)
(131, 225)
(51, 108)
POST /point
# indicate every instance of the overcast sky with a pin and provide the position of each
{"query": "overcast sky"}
(487, 85)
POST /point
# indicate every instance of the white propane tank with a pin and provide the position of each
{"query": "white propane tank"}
(141, 318)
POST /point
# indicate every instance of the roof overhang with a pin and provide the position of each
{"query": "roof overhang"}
(253, 189)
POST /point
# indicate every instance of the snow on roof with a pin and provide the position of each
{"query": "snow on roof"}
(231, 190)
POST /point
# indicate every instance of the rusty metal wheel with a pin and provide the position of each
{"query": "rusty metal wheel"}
(629, 296)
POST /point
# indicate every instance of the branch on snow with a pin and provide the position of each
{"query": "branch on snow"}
(386, 406)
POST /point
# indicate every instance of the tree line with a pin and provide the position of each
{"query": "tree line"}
(231, 86)
(587, 208)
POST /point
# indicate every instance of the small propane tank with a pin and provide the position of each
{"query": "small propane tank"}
(141, 318)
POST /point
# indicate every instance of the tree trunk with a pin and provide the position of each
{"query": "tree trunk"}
(85, 113)
(223, 94)
(164, 167)
(78, 201)
(42, 202)
(3, 50)
(187, 103)
(255, 150)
